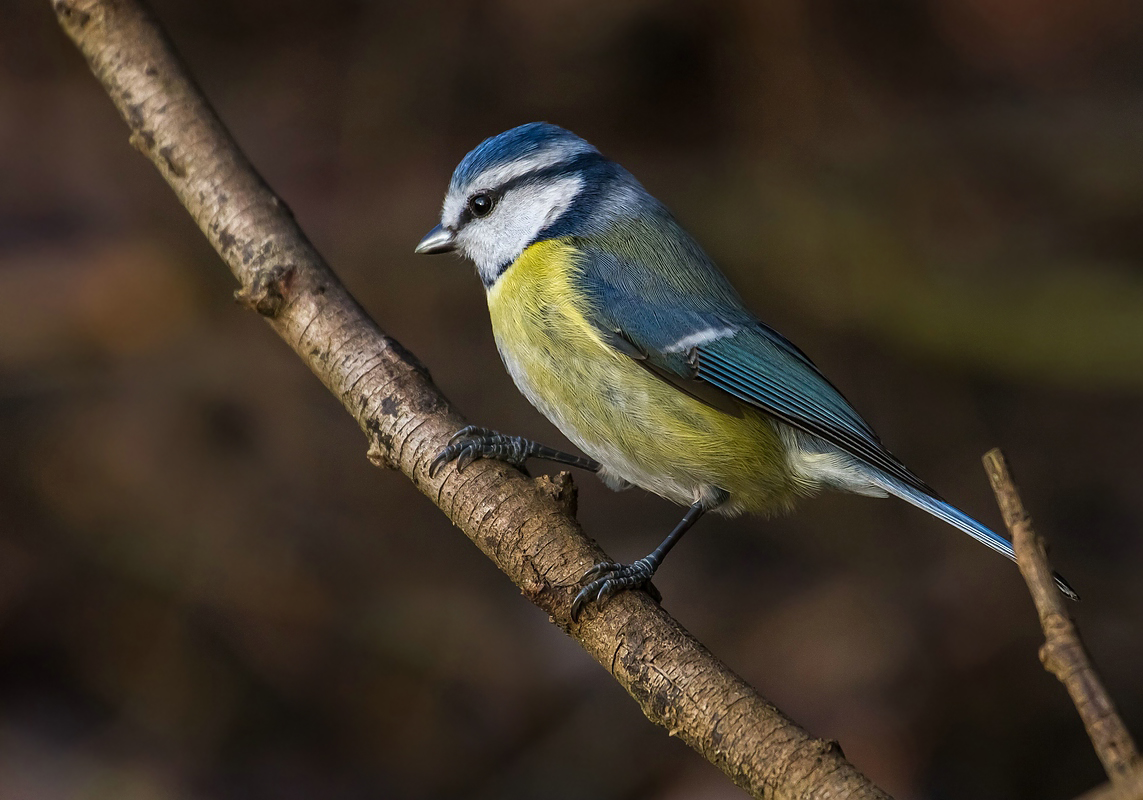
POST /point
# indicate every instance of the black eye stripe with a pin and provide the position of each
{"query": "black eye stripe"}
(575, 164)
(468, 214)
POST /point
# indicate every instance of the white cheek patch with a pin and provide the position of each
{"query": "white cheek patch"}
(514, 223)
(699, 338)
(453, 208)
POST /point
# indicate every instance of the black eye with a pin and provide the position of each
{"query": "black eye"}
(481, 204)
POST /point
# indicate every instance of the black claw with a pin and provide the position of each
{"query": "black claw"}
(443, 457)
(607, 579)
(472, 442)
(468, 454)
(606, 591)
(464, 447)
(599, 570)
(438, 462)
(578, 603)
(466, 432)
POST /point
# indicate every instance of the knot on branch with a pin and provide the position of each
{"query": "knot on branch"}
(1063, 657)
(378, 455)
(560, 488)
(533, 585)
(269, 292)
(67, 12)
(831, 747)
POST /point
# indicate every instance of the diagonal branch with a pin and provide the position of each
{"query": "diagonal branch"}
(1063, 653)
(526, 527)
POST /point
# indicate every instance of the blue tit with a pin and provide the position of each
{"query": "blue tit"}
(616, 325)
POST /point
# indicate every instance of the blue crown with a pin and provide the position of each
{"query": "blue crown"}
(514, 144)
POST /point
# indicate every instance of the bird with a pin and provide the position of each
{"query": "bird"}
(615, 324)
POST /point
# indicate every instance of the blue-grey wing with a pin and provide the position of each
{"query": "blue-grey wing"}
(693, 331)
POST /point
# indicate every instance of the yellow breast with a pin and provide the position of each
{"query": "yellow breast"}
(641, 428)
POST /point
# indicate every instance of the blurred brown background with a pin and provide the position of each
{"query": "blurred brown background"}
(207, 592)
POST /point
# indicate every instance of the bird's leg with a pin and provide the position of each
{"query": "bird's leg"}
(472, 442)
(606, 579)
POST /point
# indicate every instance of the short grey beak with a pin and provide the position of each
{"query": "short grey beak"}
(438, 240)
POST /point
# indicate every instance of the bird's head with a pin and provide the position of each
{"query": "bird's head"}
(514, 188)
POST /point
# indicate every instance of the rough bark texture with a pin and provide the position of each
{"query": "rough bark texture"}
(1063, 653)
(525, 526)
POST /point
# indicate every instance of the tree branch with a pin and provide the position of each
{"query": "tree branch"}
(525, 526)
(1062, 654)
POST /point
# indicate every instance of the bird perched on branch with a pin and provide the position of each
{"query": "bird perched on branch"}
(617, 326)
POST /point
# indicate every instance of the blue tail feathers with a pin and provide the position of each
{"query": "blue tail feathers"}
(958, 519)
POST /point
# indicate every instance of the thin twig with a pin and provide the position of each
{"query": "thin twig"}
(524, 526)
(1062, 654)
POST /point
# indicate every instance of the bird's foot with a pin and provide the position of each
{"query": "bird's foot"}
(607, 579)
(473, 442)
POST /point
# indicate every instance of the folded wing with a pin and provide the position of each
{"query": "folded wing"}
(702, 340)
